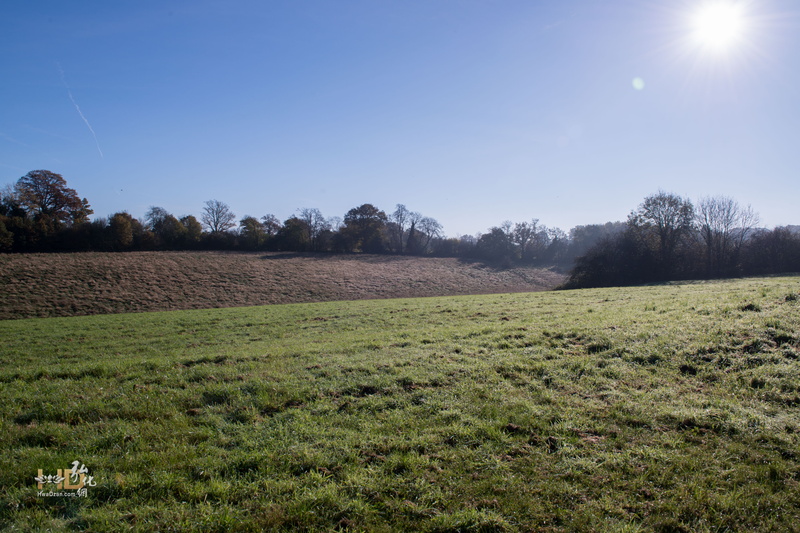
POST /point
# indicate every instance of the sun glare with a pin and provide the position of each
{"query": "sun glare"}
(718, 26)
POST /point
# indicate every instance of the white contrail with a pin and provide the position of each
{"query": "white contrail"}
(72, 99)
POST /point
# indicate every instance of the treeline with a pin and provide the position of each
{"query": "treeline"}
(669, 238)
(41, 214)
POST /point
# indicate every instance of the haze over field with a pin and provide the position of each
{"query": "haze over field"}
(473, 113)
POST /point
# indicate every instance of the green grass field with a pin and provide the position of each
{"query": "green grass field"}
(668, 408)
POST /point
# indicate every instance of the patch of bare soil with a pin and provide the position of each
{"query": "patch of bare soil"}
(39, 285)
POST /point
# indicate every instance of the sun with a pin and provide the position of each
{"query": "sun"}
(719, 26)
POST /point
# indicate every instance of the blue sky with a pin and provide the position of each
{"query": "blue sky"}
(472, 112)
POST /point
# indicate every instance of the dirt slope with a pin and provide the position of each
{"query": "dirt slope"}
(36, 285)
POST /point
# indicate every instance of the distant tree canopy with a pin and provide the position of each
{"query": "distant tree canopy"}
(666, 237)
(364, 229)
(294, 235)
(40, 211)
(497, 245)
(252, 233)
(194, 230)
(120, 227)
(45, 195)
(661, 221)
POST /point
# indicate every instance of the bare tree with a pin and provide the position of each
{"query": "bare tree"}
(317, 225)
(399, 221)
(9, 201)
(155, 216)
(335, 223)
(272, 225)
(430, 228)
(217, 217)
(523, 236)
(723, 227)
(404, 227)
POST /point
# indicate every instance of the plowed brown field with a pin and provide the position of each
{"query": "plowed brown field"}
(40, 285)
